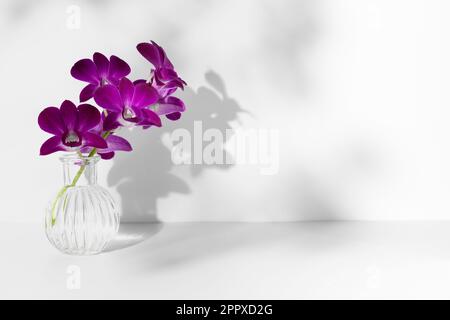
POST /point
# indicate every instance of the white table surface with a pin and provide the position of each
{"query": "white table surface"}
(236, 261)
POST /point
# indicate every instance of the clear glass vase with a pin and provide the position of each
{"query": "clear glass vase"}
(83, 218)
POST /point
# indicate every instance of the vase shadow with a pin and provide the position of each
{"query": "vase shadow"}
(145, 176)
(131, 234)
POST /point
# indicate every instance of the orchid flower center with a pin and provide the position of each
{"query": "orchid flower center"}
(128, 113)
(72, 139)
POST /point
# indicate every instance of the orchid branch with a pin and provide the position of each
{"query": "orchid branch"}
(123, 102)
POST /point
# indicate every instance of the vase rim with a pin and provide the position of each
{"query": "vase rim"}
(74, 157)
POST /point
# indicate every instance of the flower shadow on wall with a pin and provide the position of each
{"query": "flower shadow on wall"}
(144, 176)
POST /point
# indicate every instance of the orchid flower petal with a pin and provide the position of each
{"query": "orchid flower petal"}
(102, 64)
(126, 89)
(135, 82)
(87, 92)
(52, 145)
(166, 74)
(111, 121)
(108, 97)
(173, 116)
(85, 70)
(117, 69)
(106, 155)
(151, 53)
(69, 114)
(170, 105)
(164, 59)
(116, 143)
(144, 95)
(88, 117)
(151, 118)
(93, 140)
(51, 121)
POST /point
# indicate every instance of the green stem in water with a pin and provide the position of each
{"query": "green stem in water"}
(75, 179)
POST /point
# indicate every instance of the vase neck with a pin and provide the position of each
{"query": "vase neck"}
(82, 170)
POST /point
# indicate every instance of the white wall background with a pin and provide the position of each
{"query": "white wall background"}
(356, 88)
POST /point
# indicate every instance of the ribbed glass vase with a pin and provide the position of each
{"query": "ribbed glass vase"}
(83, 217)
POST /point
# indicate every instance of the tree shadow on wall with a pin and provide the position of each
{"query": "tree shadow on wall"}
(144, 176)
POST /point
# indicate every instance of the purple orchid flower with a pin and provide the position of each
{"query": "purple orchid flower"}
(164, 72)
(167, 105)
(114, 142)
(164, 79)
(98, 72)
(70, 126)
(127, 103)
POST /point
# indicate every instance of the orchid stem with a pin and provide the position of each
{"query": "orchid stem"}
(75, 179)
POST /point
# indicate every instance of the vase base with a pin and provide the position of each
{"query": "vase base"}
(81, 253)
